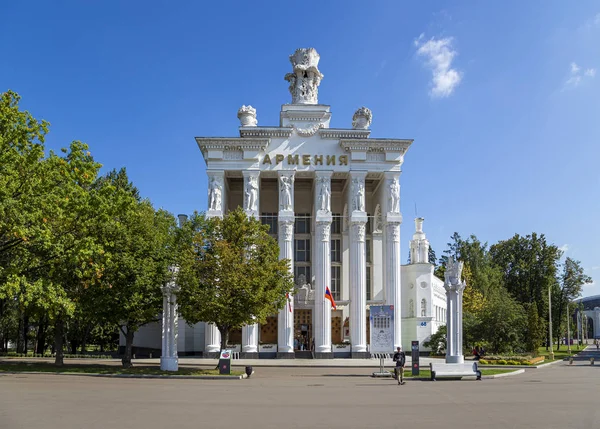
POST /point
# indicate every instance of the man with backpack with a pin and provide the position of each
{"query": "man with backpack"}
(400, 359)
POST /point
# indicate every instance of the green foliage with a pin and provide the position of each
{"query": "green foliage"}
(437, 342)
(231, 274)
(500, 362)
(535, 330)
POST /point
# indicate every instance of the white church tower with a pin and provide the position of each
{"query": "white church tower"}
(423, 294)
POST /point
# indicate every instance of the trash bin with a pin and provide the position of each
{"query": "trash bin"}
(225, 362)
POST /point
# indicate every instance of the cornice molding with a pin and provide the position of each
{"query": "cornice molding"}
(330, 133)
(376, 145)
(265, 132)
(225, 144)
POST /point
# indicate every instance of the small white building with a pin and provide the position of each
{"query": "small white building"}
(332, 200)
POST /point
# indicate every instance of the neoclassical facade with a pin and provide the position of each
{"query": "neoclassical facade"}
(331, 198)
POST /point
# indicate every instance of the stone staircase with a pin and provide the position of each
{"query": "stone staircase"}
(305, 354)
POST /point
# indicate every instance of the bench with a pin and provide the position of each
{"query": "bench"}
(454, 370)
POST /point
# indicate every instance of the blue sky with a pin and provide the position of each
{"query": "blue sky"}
(502, 98)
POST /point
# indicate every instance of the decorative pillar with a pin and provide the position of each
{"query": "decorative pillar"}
(216, 208)
(322, 265)
(168, 358)
(392, 279)
(358, 265)
(285, 318)
(454, 294)
(251, 204)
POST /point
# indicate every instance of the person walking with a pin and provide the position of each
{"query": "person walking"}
(400, 359)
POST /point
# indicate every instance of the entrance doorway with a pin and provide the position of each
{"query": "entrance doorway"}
(303, 335)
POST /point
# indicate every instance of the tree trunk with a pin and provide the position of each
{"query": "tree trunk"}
(126, 360)
(224, 331)
(19, 331)
(41, 336)
(25, 331)
(58, 341)
(86, 332)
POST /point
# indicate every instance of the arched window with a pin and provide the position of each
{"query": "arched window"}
(423, 307)
(411, 308)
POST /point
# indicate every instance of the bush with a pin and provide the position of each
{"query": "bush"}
(513, 362)
(483, 362)
(501, 362)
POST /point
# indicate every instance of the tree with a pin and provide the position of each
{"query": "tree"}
(432, 257)
(230, 273)
(139, 246)
(502, 322)
(528, 266)
(535, 330)
(572, 280)
(437, 342)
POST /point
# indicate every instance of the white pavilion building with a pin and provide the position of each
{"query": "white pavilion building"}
(332, 200)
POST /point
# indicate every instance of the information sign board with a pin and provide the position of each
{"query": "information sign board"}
(381, 320)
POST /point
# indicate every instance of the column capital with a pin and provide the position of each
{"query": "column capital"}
(323, 229)
(286, 229)
(358, 230)
(393, 231)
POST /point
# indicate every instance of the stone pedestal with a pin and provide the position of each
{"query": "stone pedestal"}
(454, 294)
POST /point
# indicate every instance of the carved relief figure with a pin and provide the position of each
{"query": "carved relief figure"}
(286, 193)
(251, 193)
(215, 194)
(394, 196)
(358, 201)
(324, 195)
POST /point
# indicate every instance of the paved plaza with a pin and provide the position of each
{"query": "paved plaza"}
(557, 396)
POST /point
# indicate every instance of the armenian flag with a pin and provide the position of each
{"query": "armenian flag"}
(329, 296)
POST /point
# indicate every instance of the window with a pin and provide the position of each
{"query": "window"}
(270, 219)
(336, 224)
(336, 250)
(368, 226)
(302, 224)
(369, 284)
(302, 250)
(336, 282)
(368, 244)
(302, 276)
(423, 307)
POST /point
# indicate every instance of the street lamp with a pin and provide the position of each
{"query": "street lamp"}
(550, 323)
(568, 330)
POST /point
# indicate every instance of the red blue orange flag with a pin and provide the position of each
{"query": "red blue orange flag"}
(330, 297)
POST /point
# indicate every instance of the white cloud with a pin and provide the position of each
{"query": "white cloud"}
(592, 23)
(576, 77)
(439, 54)
(596, 268)
(564, 248)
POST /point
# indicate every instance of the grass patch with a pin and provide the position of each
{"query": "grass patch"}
(561, 354)
(105, 369)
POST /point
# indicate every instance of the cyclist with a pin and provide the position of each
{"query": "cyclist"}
(400, 359)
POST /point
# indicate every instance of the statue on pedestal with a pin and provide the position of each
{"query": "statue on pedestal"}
(286, 193)
(251, 193)
(215, 194)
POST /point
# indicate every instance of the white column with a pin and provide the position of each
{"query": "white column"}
(454, 291)
(358, 263)
(251, 206)
(285, 318)
(216, 208)
(322, 261)
(392, 279)
(174, 325)
(164, 328)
